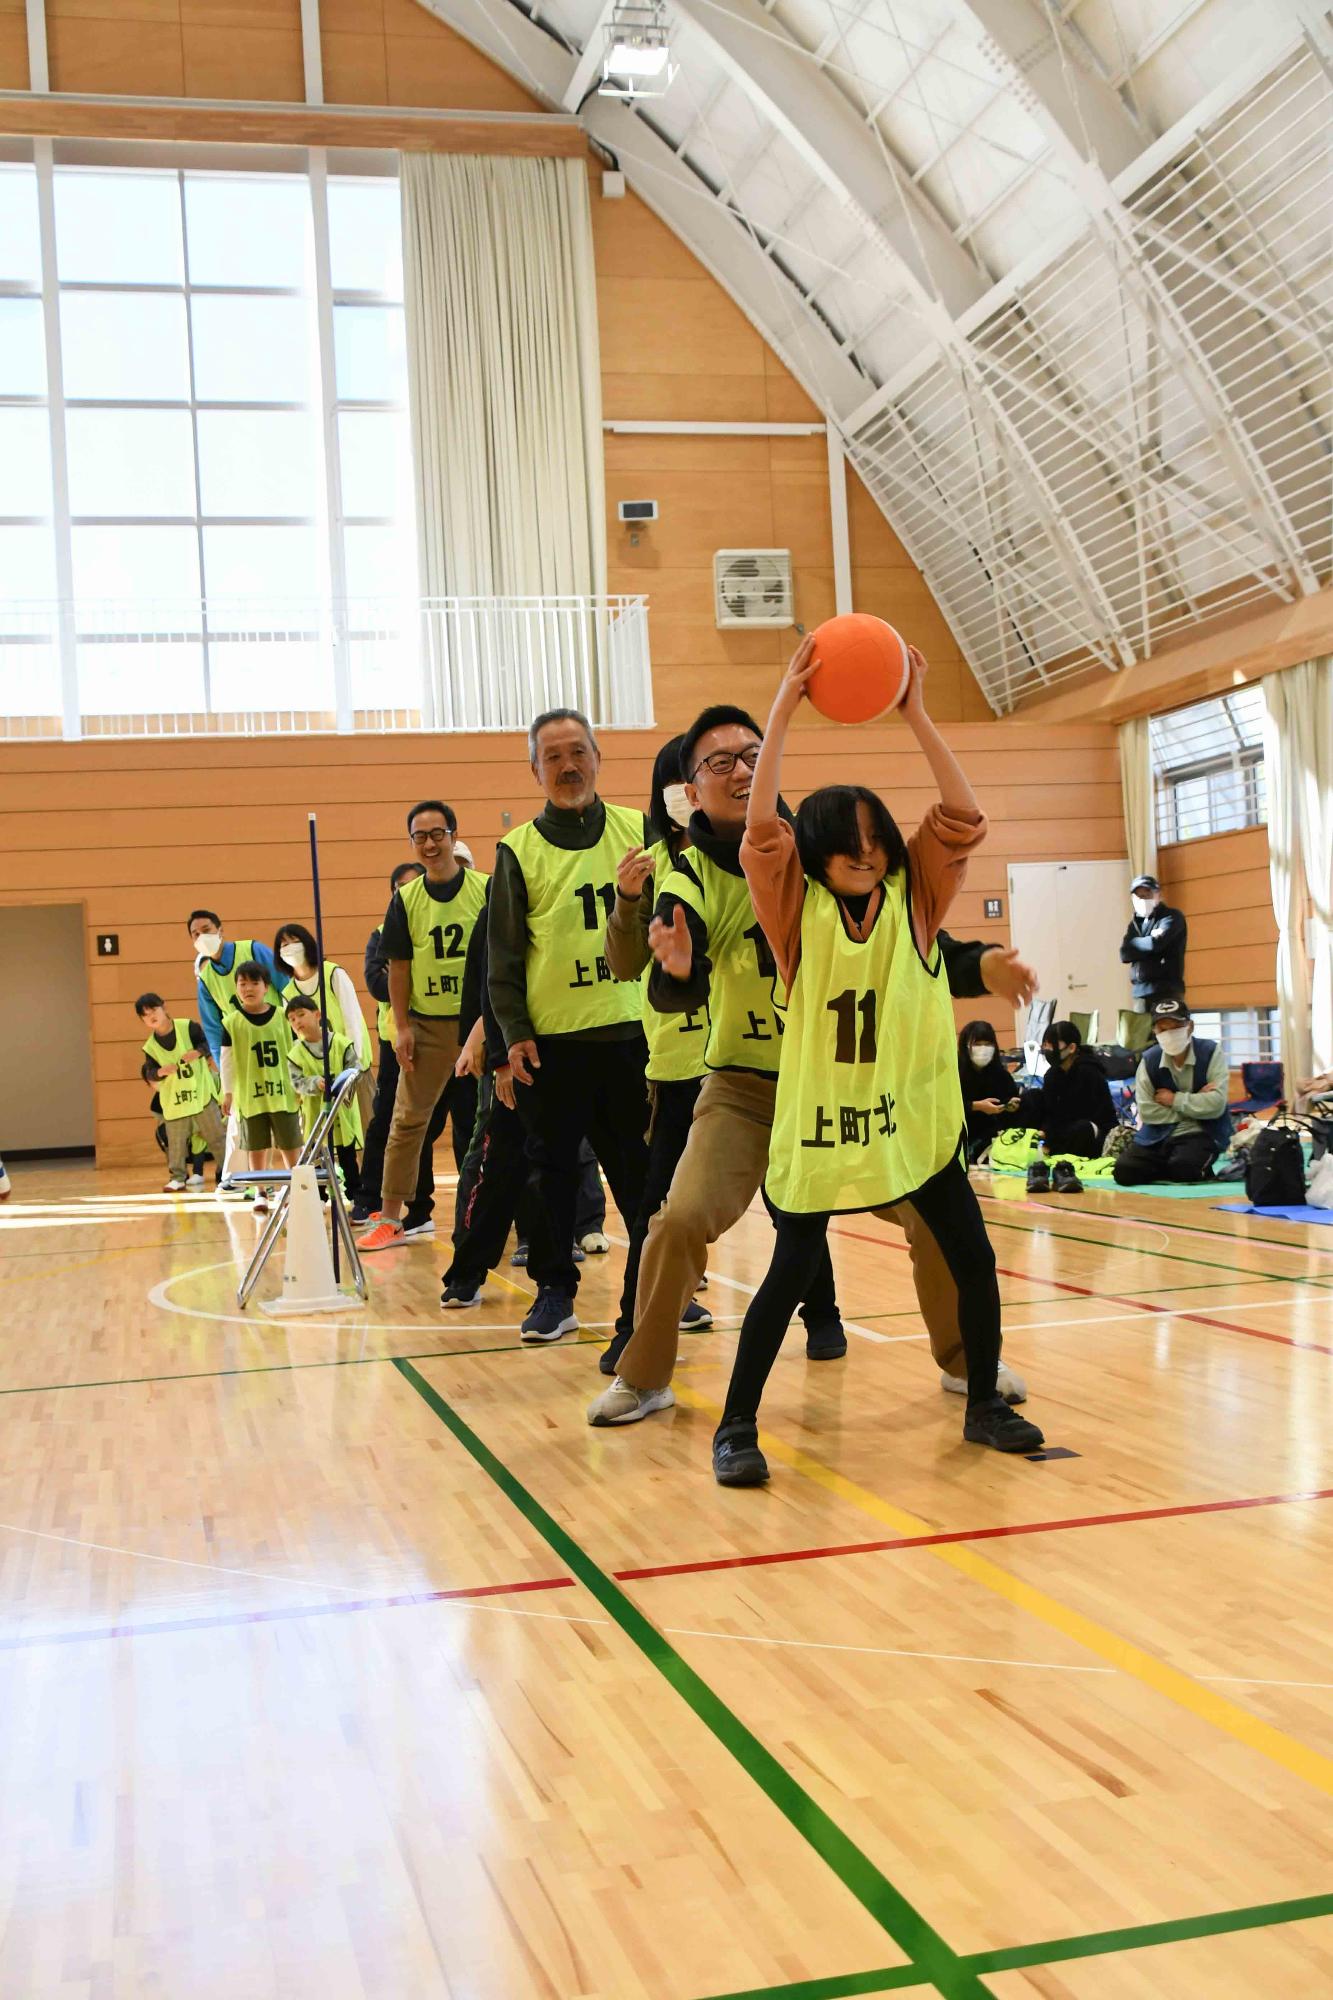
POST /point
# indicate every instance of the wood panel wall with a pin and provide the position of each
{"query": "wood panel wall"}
(1222, 886)
(139, 832)
(674, 345)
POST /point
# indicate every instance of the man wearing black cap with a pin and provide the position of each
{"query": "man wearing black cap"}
(1181, 1095)
(1154, 949)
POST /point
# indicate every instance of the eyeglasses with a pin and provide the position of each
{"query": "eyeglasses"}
(430, 836)
(723, 762)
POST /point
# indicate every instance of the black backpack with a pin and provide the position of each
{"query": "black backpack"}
(1275, 1169)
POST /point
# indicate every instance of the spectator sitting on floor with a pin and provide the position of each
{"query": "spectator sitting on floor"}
(1181, 1094)
(990, 1095)
(1074, 1111)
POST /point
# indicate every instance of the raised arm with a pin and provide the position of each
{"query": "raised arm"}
(956, 794)
(767, 781)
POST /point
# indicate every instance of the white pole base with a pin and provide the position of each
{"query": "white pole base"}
(335, 1302)
(307, 1280)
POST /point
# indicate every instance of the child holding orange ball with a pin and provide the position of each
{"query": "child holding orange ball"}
(868, 1115)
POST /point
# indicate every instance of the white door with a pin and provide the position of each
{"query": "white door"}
(1067, 919)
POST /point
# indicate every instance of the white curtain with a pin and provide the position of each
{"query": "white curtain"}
(1136, 784)
(1298, 755)
(504, 380)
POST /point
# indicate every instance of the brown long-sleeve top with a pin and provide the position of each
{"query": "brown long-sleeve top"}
(937, 855)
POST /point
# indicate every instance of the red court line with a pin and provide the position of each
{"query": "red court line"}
(968, 1535)
(285, 1613)
(281, 1613)
(1119, 1298)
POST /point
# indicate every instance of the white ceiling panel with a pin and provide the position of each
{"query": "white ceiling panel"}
(1061, 271)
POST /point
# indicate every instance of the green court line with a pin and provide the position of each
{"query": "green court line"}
(1092, 1944)
(933, 1962)
(348, 1361)
(294, 1367)
(1145, 1250)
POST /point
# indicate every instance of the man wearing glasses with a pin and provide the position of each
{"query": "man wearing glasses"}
(425, 938)
(711, 952)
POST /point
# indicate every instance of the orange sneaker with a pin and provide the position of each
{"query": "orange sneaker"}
(385, 1235)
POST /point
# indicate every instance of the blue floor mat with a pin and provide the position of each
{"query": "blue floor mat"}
(1301, 1213)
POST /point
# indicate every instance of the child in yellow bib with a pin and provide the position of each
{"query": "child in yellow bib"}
(307, 1067)
(256, 1076)
(869, 1114)
(179, 1063)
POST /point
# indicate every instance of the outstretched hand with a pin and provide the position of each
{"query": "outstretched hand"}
(794, 686)
(1004, 974)
(671, 944)
(914, 701)
(632, 871)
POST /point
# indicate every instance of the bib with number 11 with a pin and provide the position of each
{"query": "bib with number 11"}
(868, 1105)
(571, 892)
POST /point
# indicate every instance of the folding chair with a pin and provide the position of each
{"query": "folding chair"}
(1263, 1086)
(317, 1152)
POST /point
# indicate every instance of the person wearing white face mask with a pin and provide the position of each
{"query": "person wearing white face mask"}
(295, 948)
(216, 958)
(1153, 948)
(990, 1096)
(1181, 1095)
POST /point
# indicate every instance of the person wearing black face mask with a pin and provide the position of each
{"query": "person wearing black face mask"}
(1153, 948)
(1075, 1111)
(990, 1095)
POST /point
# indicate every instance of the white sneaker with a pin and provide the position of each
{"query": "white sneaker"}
(1012, 1387)
(595, 1243)
(174, 1187)
(419, 1231)
(194, 1180)
(622, 1404)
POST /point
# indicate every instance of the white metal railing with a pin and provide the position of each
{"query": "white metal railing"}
(155, 667)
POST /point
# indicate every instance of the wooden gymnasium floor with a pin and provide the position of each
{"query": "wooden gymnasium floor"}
(344, 1660)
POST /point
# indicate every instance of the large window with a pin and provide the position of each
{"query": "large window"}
(205, 491)
(1208, 767)
(1247, 1034)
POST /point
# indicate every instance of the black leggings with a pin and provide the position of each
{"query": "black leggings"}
(949, 1209)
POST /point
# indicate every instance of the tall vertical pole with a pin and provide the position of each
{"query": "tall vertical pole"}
(323, 1007)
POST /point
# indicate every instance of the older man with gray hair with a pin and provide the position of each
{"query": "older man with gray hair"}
(574, 1033)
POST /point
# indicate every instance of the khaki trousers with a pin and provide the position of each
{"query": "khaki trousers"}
(207, 1121)
(419, 1091)
(719, 1175)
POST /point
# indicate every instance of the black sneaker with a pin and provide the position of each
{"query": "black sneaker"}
(578, 1254)
(695, 1317)
(1039, 1178)
(1064, 1180)
(463, 1292)
(737, 1459)
(995, 1424)
(361, 1213)
(825, 1343)
(520, 1256)
(553, 1314)
(610, 1355)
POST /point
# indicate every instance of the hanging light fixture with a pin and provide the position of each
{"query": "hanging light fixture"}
(637, 57)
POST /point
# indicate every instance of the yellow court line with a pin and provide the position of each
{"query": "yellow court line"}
(1181, 1688)
(524, 1291)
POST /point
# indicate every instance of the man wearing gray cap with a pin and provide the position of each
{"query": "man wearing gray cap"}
(1154, 950)
(1181, 1095)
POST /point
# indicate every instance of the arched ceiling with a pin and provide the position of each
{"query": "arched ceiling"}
(1061, 271)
